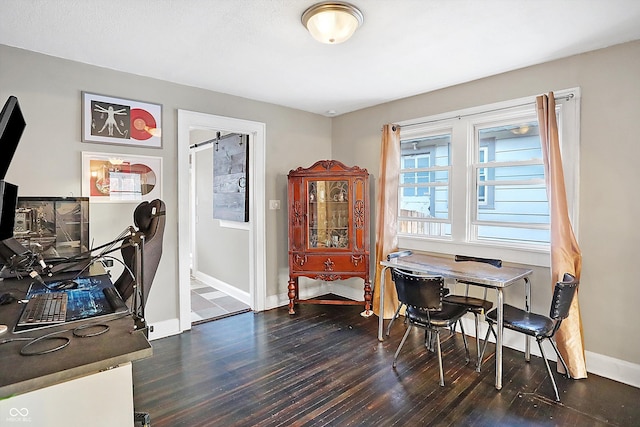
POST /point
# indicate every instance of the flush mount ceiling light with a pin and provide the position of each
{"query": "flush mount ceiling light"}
(332, 22)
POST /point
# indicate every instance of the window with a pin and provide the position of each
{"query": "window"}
(424, 186)
(476, 178)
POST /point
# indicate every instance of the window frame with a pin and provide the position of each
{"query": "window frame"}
(462, 125)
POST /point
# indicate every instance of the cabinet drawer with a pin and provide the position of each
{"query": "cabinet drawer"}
(327, 263)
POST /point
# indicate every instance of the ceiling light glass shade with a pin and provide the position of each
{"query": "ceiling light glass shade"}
(332, 22)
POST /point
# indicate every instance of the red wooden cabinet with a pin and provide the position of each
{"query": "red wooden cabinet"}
(328, 227)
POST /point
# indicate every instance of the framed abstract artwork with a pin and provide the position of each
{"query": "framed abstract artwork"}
(111, 177)
(121, 121)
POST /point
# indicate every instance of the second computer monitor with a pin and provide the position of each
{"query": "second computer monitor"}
(55, 227)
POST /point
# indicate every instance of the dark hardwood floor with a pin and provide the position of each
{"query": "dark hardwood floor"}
(325, 366)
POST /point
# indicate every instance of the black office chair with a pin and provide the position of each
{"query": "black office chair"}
(538, 326)
(425, 308)
(149, 218)
(477, 306)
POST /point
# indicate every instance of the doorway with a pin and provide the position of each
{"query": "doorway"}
(189, 121)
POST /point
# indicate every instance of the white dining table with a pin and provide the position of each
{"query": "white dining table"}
(477, 273)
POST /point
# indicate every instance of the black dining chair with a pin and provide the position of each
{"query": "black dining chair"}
(477, 306)
(422, 296)
(538, 326)
(393, 255)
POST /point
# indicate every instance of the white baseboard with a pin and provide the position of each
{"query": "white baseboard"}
(598, 364)
(614, 369)
(228, 289)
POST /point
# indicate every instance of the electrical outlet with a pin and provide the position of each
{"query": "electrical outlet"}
(274, 204)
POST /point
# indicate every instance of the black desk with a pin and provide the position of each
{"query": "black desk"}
(83, 357)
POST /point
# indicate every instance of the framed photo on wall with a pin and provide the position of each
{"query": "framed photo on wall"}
(123, 178)
(120, 121)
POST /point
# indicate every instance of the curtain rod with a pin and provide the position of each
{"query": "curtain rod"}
(563, 97)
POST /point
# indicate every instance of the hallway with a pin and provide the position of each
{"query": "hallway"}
(208, 303)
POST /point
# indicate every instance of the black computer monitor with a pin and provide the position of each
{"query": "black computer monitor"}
(54, 227)
(12, 125)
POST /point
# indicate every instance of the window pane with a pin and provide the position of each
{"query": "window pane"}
(425, 228)
(513, 235)
(513, 142)
(512, 173)
(509, 182)
(522, 204)
(424, 182)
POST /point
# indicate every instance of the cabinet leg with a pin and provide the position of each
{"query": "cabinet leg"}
(368, 297)
(293, 291)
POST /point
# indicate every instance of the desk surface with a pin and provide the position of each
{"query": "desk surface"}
(476, 272)
(83, 356)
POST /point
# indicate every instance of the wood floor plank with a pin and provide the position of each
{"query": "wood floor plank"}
(325, 367)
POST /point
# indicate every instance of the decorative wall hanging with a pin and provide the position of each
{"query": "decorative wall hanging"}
(121, 121)
(111, 177)
(231, 178)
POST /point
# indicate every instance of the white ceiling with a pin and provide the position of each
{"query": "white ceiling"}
(258, 49)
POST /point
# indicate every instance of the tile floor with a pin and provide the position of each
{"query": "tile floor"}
(208, 303)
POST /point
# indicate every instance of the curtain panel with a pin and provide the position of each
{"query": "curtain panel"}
(565, 252)
(387, 216)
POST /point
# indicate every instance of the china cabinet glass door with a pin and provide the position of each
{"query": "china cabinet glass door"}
(328, 225)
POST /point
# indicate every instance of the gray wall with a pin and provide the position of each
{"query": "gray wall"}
(608, 233)
(48, 160)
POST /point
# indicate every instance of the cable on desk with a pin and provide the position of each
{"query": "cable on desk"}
(8, 340)
(77, 332)
(52, 337)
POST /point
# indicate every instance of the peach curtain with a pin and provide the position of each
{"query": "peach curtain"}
(387, 216)
(565, 252)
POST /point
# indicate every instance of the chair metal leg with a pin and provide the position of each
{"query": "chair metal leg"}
(437, 331)
(429, 340)
(395, 316)
(467, 358)
(484, 346)
(404, 338)
(546, 362)
(475, 315)
(566, 368)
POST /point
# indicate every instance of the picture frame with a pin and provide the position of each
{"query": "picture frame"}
(120, 121)
(121, 178)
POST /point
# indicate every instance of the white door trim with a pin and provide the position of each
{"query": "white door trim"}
(187, 121)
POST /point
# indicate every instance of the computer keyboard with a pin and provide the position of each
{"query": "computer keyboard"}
(45, 309)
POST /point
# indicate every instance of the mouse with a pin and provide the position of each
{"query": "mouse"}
(64, 285)
(7, 298)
